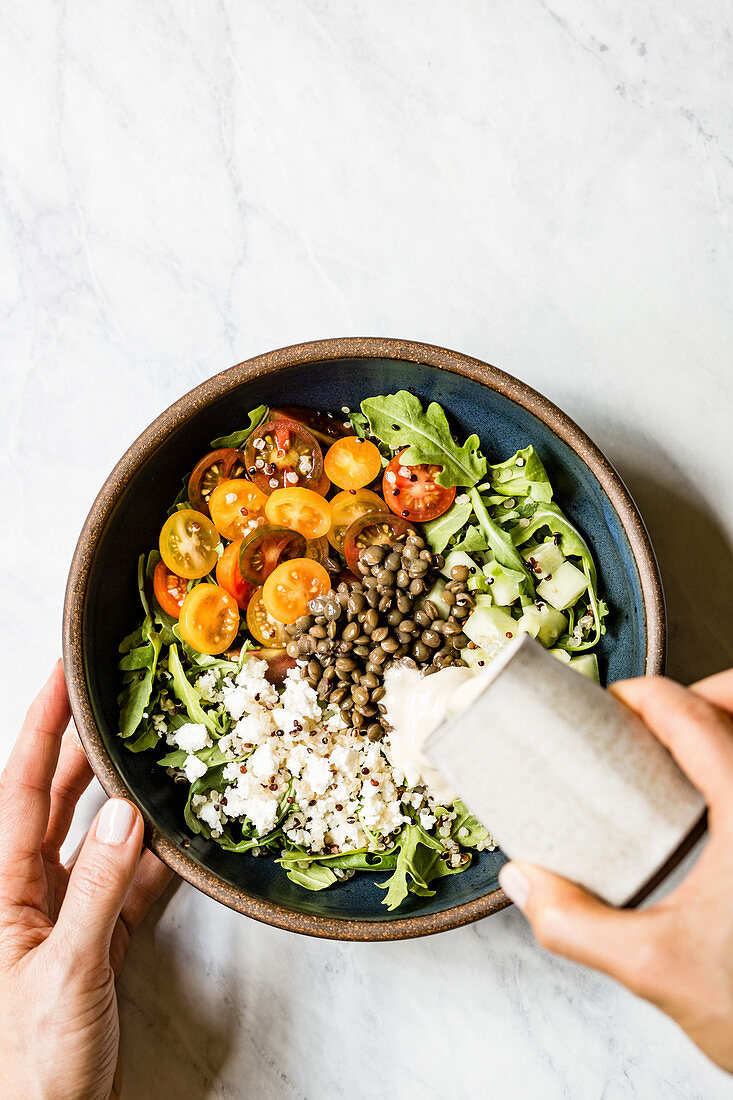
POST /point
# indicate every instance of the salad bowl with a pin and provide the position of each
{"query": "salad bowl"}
(102, 603)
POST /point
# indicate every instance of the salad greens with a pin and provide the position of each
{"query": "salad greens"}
(503, 518)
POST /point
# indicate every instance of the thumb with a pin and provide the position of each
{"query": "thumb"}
(569, 921)
(100, 880)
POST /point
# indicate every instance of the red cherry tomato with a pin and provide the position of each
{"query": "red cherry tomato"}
(376, 528)
(228, 575)
(323, 426)
(283, 454)
(278, 664)
(215, 467)
(263, 549)
(412, 491)
(170, 589)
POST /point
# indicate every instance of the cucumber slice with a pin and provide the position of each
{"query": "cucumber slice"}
(436, 595)
(561, 655)
(548, 556)
(504, 588)
(477, 659)
(587, 665)
(564, 588)
(546, 625)
(490, 628)
(483, 599)
(459, 557)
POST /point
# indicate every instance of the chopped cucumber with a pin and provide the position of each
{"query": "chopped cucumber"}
(562, 655)
(490, 628)
(483, 599)
(587, 665)
(459, 557)
(546, 625)
(564, 588)
(504, 588)
(548, 556)
(436, 596)
(477, 659)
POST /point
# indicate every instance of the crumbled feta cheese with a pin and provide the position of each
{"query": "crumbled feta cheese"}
(192, 736)
(207, 685)
(193, 768)
(264, 762)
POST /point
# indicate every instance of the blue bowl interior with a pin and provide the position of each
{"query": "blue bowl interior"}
(112, 605)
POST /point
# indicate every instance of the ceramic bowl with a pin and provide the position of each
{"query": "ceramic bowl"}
(124, 521)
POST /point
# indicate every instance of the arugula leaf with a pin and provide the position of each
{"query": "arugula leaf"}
(212, 780)
(314, 877)
(236, 439)
(474, 541)
(500, 542)
(411, 865)
(398, 419)
(464, 819)
(439, 532)
(522, 475)
(187, 694)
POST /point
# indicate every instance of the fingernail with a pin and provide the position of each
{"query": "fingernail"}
(115, 821)
(514, 884)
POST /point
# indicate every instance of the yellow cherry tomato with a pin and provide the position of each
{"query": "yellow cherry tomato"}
(237, 507)
(301, 510)
(188, 542)
(261, 624)
(291, 586)
(351, 462)
(209, 619)
(348, 506)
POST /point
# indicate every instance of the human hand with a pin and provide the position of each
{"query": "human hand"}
(678, 954)
(64, 931)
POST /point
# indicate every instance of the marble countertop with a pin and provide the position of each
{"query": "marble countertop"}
(548, 186)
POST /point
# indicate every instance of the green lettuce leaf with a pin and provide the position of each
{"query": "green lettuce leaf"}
(440, 531)
(521, 475)
(398, 420)
(236, 439)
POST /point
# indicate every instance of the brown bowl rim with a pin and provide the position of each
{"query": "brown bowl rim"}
(184, 410)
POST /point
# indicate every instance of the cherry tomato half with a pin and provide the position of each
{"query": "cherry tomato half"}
(263, 549)
(228, 575)
(412, 491)
(301, 510)
(169, 589)
(317, 549)
(289, 589)
(261, 624)
(370, 530)
(323, 488)
(351, 463)
(323, 426)
(237, 507)
(282, 454)
(188, 542)
(348, 506)
(209, 619)
(215, 467)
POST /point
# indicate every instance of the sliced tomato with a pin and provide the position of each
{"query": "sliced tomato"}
(348, 506)
(412, 491)
(188, 542)
(289, 589)
(301, 510)
(237, 507)
(278, 664)
(261, 624)
(324, 426)
(317, 549)
(263, 549)
(209, 620)
(169, 588)
(323, 488)
(215, 467)
(351, 463)
(283, 454)
(370, 530)
(228, 575)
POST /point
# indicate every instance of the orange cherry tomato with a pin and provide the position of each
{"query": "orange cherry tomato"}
(348, 506)
(351, 462)
(188, 542)
(301, 510)
(289, 589)
(412, 491)
(169, 588)
(209, 619)
(262, 626)
(237, 507)
(229, 576)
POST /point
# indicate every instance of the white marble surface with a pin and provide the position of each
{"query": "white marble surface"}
(548, 186)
